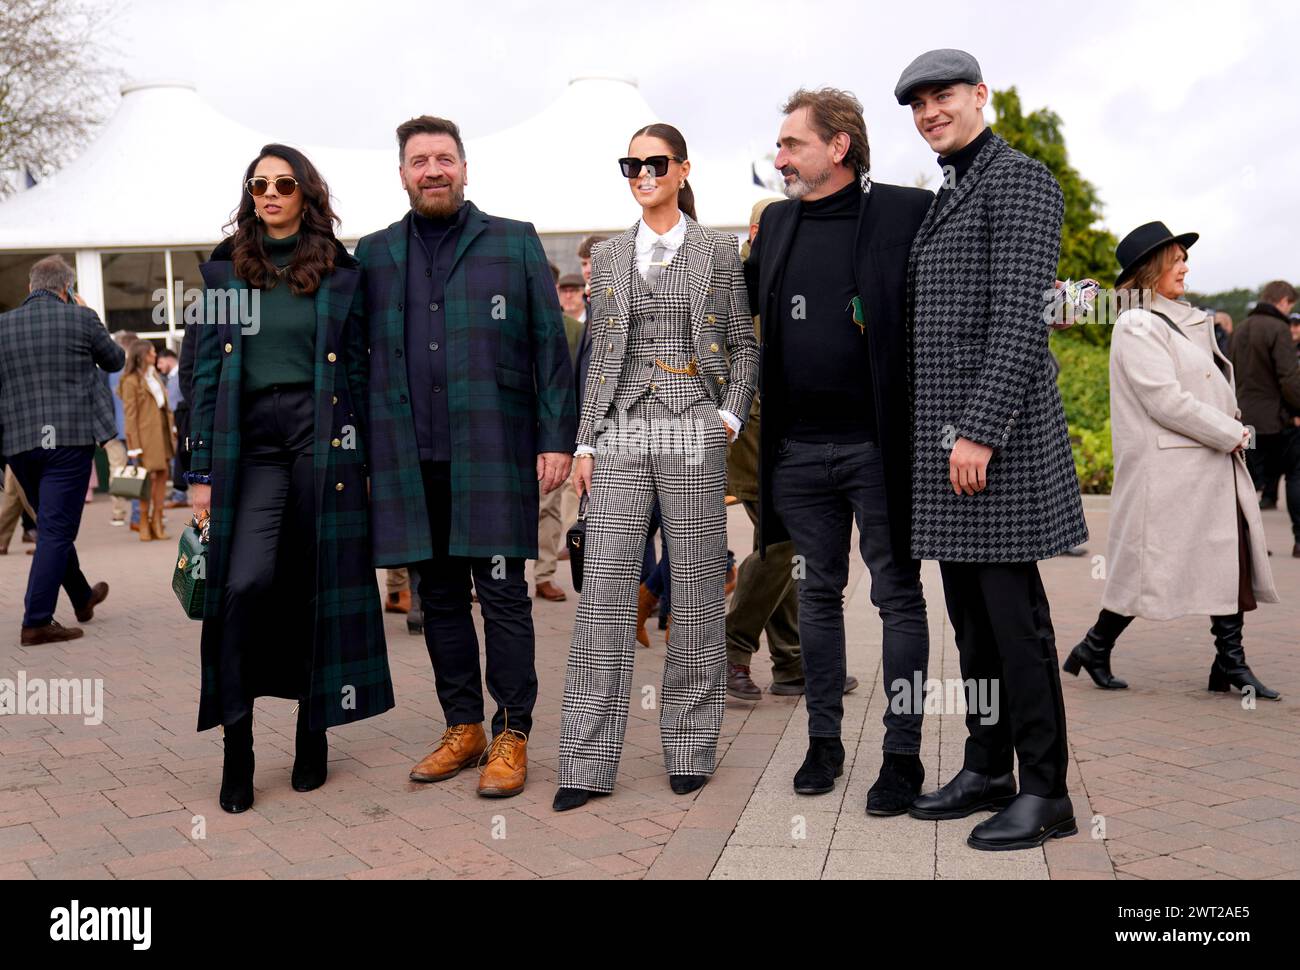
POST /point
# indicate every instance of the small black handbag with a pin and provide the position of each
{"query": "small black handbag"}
(575, 540)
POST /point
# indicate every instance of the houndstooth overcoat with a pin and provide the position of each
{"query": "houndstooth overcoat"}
(981, 269)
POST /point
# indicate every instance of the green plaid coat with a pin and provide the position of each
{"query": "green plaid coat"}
(349, 669)
(510, 392)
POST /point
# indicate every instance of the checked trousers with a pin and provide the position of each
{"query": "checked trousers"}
(690, 485)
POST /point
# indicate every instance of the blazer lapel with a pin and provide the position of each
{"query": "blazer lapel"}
(475, 223)
(965, 186)
(699, 273)
(621, 260)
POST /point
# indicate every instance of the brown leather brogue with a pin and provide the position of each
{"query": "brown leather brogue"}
(507, 765)
(461, 746)
(646, 603)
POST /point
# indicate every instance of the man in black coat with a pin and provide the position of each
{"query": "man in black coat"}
(828, 275)
(1268, 391)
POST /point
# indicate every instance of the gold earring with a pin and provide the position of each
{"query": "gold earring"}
(683, 185)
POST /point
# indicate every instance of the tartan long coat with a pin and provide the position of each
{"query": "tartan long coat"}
(981, 272)
(510, 392)
(349, 667)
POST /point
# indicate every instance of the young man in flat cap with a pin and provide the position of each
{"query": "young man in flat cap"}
(994, 487)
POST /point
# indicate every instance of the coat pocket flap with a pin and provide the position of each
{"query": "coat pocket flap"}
(1169, 439)
(509, 377)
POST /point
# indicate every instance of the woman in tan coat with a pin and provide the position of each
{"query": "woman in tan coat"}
(149, 436)
(1185, 532)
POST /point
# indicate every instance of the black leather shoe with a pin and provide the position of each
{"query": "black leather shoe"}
(821, 766)
(685, 784)
(311, 755)
(1093, 655)
(1026, 823)
(899, 784)
(237, 767)
(567, 799)
(965, 795)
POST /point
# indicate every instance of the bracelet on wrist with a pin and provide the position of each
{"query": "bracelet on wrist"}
(198, 478)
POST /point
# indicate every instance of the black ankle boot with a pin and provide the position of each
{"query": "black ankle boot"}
(821, 766)
(311, 755)
(237, 768)
(570, 798)
(1093, 653)
(685, 784)
(899, 784)
(1229, 668)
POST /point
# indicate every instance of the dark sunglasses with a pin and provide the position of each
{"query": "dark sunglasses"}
(656, 163)
(258, 184)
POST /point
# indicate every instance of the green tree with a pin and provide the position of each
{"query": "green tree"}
(1087, 249)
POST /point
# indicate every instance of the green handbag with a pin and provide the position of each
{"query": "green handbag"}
(130, 481)
(189, 578)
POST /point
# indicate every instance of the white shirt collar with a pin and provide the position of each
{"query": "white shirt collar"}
(672, 239)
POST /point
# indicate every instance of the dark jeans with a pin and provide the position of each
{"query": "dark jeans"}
(268, 612)
(1003, 627)
(444, 587)
(818, 490)
(55, 482)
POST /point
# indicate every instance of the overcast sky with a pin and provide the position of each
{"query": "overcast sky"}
(1176, 111)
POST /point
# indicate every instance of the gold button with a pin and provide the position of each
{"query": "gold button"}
(722, 380)
(336, 442)
(611, 345)
(331, 358)
(611, 319)
(338, 487)
(710, 319)
(713, 347)
(229, 347)
(709, 291)
(602, 380)
(609, 291)
(335, 399)
(654, 386)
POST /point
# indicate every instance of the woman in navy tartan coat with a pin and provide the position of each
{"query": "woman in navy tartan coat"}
(291, 606)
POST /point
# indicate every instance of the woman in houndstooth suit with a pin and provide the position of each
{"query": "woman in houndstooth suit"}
(674, 363)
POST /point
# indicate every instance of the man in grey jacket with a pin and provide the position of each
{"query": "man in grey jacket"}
(54, 410)
(993, 481)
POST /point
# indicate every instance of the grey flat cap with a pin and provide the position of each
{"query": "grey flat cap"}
(937, 67)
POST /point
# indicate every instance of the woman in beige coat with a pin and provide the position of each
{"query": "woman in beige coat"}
(1185, 533)
(149, 435)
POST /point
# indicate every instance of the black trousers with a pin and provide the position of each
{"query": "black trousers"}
(1005, 642)
(444, 588)
(268, 613)
(55, 482)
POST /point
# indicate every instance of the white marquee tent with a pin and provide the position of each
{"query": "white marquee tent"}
(163, 176)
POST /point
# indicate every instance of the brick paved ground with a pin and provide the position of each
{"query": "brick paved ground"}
(1184, 784)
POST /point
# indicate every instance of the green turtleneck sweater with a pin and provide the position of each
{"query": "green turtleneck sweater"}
(283, 350)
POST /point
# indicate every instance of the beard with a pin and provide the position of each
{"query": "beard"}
(802, 186)
(440, 208)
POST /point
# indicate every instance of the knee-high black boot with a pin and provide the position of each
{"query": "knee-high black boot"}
(1229, 668)
(311, 754)
(1093, 653)
(237, 768)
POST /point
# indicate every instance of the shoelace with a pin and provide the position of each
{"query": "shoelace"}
(452, 734)
(505, 744)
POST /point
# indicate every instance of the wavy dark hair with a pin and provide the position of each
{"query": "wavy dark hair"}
(313, 257)
(675, 141)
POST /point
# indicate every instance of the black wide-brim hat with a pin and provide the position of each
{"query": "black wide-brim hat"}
(1144, 242)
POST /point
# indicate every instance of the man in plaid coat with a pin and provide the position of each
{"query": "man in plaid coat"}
(54, 410)
(993, 483)
(471, 413)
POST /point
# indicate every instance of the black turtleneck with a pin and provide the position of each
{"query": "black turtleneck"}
(961, 160)
(825, 359)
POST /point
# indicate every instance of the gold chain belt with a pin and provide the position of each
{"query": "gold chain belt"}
(690, 368)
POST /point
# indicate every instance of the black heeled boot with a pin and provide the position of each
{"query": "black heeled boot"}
(1229, 668)
(237, 768)
(1093, 653)
(311, 755)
